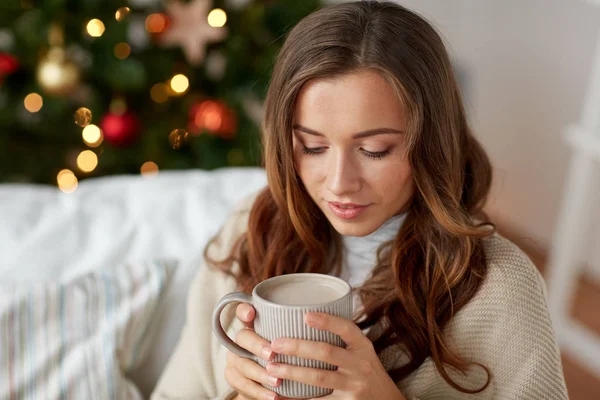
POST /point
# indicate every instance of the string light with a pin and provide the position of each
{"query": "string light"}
(33, 102)
(122, 13)
(149, 169)
(95, 28)
(87, 161)
(217, 18)
(180, 83)
(67, 181)
(92, 135)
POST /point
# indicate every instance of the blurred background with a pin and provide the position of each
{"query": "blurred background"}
(92, 88)
(103, 87)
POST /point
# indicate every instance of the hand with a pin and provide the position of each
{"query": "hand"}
(360, 374)
(245, 375)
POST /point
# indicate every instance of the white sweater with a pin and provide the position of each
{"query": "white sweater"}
(505, 327)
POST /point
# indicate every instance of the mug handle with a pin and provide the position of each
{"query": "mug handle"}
(218, 328)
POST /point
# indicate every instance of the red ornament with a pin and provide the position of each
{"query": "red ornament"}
(213, 116)
(8, 65)
(120, 130)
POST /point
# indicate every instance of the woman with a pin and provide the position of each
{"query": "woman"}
(373, 175)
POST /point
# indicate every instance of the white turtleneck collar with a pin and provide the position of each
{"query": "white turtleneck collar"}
(360, 252)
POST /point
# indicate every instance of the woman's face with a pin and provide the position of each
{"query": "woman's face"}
(349, 150)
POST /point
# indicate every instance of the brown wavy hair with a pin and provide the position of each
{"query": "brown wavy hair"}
(436, 263)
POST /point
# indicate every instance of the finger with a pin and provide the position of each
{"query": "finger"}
(255, 372)
(319, 351)
(256, 345)
(312, 398)
(246, 313)
(247, 387)
(344, 328)
(311, 376)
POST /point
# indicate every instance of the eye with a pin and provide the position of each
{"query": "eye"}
(319, 150)
(376, 155)
(312, 150)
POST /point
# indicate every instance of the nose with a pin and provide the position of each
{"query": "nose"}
(343, 176)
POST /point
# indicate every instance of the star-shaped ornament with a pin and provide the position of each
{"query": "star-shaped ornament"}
(190, 29)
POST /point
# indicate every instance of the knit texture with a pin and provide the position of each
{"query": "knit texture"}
(505, 327)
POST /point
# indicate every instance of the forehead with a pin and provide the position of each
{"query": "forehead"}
(355, 101)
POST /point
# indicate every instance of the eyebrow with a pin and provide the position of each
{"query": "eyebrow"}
(358, 135)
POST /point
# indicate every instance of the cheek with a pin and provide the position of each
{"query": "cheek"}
(309, 170)
(392, 179)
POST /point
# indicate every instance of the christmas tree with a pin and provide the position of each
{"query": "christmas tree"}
(102, 87)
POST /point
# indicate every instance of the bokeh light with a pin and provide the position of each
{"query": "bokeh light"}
(67, 181)
(122, 50)
(209, 115)
(159, 93)
(92, 135)
(157, 23)
(217, 18)
(33, 102)
(87, 161)
(149, 168)
(95, 28)
(180, 83)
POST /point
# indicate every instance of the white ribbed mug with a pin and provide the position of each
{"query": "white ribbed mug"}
(280, 313)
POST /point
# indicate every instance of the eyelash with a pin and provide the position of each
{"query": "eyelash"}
(316, 151)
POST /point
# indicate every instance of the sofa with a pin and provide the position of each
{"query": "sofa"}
(50, 237)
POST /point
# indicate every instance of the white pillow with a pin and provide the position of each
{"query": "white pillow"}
(77, 339)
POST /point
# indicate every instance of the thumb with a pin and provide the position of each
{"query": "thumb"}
(246, 313)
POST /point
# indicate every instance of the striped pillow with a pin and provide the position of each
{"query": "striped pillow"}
(76, 340)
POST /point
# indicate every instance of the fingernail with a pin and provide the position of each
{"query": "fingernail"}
(247, 315)
(277, 344)
(270, 396)
(266, 352)
(272, 380)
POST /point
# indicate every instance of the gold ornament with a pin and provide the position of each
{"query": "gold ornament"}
(55, 74)
(177, 138)
(83, 117)
(122, 13)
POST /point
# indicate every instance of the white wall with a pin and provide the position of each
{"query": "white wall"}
(527, 64)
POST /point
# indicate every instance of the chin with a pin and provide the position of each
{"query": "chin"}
(352, 228)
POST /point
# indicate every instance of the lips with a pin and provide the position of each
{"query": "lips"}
(345, 205)
(346, 210)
